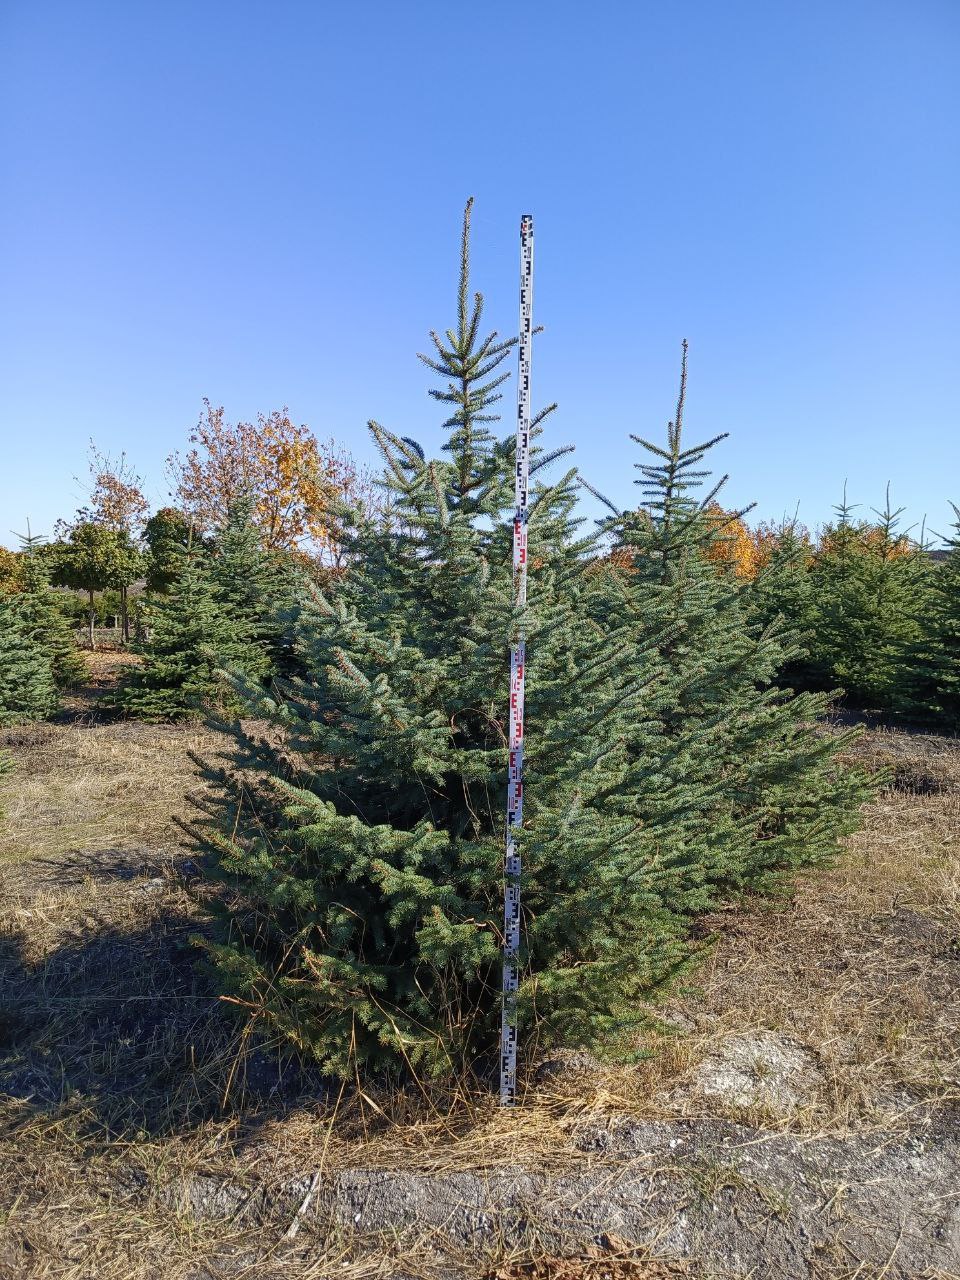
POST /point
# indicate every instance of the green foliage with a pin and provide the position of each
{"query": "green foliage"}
(746, 785)
(73, 607)
(96, 557)
(781, 585)
(27, 687)
(38, 656)
(43, 618)
(374, 884)
(190, 640)
(166, 534)
(362, 837)
(255, 587)
(782, 594)
(932, 677)
(870, 586)
(109, 604)
(216, 621)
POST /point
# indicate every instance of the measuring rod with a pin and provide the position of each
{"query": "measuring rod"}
(512, 863)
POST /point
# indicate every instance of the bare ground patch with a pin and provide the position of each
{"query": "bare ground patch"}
(796, 1115)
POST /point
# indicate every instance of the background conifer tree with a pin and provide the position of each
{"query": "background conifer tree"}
(257, 588)
(43, 618)
(38, 656)
(870, 585)
(27, 687)
(217, 623)
(782, 593)
(192, 638)
(932, 679)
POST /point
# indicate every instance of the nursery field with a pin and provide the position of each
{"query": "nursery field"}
(480, 728)
(794, 1111)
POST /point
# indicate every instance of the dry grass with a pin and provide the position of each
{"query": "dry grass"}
(108, 786)
(614, 1260)
(121, 1070)
(858, 966)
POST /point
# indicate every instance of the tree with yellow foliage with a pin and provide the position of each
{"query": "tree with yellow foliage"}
(117, 500)
(294, 483)
(744, 551)
(9, 570)
(734, 549)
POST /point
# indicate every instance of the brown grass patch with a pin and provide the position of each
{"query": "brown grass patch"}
(612, 1259)
(106, 786)
(859, 965)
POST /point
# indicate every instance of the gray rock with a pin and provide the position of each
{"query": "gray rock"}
(758, 1068)
(565, 1062)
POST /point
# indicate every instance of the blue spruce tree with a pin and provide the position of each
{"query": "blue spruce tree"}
(742, 761)
(365, 853)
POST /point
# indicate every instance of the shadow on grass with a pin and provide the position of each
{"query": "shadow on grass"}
(120, 1028)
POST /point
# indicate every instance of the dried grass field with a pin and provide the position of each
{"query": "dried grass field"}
(794, 1114)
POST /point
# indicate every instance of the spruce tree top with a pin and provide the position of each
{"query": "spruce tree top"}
(470, 364)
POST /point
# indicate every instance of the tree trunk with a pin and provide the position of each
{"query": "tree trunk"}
(92, 617)
(125, 614)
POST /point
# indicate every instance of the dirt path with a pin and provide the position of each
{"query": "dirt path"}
(734, 1201)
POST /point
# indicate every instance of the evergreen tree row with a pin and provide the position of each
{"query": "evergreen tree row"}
(38, 654)
(879, 617)
(935, 658)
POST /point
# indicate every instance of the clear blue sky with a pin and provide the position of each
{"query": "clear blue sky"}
(260, 203)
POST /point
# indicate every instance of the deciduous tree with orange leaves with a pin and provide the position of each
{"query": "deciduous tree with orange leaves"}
(116, 494)
(293, 481)
(735, 548)
(746, 552)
